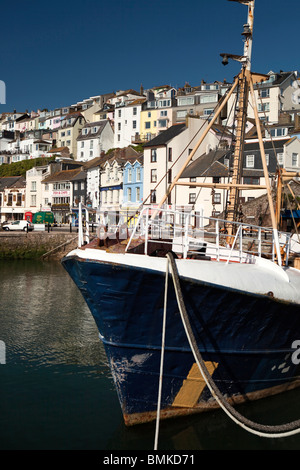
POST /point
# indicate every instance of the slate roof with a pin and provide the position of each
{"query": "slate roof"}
(166, 136)
(64, 175)
(12, 182)
(207, 165)
(92, 135)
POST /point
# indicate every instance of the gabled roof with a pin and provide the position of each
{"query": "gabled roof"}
(12, 182)
(207, 165)
(90, 135)
(166, 136)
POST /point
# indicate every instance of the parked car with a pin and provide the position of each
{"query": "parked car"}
(18, 225)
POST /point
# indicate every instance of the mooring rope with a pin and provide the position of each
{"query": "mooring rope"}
(162, 357)
(284, 430)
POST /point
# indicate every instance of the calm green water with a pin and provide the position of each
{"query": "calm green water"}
(56, 391)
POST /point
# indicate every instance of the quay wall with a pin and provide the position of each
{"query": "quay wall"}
(34, 245)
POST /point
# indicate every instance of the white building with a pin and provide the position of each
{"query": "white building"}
(165, 155)
(94, 139)
(278, 94)
(38, 195)
(128, 107)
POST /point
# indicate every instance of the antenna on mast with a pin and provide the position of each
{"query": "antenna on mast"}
(248, 35)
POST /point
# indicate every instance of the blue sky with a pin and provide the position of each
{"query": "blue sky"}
(57, 53)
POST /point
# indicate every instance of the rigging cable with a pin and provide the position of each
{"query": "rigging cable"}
(284, 430)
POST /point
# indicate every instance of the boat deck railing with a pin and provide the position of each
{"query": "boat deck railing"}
(187, 234)
(192, 235)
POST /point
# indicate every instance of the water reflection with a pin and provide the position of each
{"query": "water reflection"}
(56, 389)
(43, 318)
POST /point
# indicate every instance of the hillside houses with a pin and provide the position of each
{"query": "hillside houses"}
(122, 149)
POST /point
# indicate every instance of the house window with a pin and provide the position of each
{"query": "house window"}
(217, 198)
(267, 159)
(129, 175)
(216, 179)
(280, 158)
(10, 199)
(251, 180)
(129, 194)
(265, 93)
(169, 154)
(134, 111)
(138, 174)
(192, 198)
(153, 155)
(264, 107)
(208, 111)
(250, 161)
(153, 176)
(33, 185)
(147, 125)
(138, 193)
(170, 176)
(295, 159)
(82, 145)
(153, 197)
(33, 200)
(133, 124)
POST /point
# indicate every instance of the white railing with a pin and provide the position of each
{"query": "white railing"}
(187, 234)
(83, 225)
(190, 235)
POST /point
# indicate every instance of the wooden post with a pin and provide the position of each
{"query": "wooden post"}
(265, 168)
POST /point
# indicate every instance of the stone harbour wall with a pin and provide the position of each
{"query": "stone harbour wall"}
(34, 245)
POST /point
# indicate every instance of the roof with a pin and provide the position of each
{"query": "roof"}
(64, 175)
(122, 156)
(166, 136)
(93, 163)
(59, 150)
(207, 165)
(12, 182)
(90, 135)
(268, 145)
(81, 175)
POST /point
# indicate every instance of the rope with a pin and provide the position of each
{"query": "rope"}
(162, 357)
(284, 430)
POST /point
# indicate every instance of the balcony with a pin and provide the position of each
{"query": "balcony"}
(142, 138)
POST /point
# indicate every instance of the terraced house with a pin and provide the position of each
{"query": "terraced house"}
(94, 139)
(12, 198)
(70, 129)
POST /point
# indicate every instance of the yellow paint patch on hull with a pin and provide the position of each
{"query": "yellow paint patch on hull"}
(193, 386)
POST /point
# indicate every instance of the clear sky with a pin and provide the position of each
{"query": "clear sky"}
(55, 53)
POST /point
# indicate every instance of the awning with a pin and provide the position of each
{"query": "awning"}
(295, 214)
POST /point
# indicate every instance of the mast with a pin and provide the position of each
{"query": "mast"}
(243, 97)
(244, 84)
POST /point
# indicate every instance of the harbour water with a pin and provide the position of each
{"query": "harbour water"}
(56, 391)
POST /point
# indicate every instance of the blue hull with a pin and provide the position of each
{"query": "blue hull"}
(246, 340)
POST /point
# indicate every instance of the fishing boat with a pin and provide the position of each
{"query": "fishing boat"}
(195, 314)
